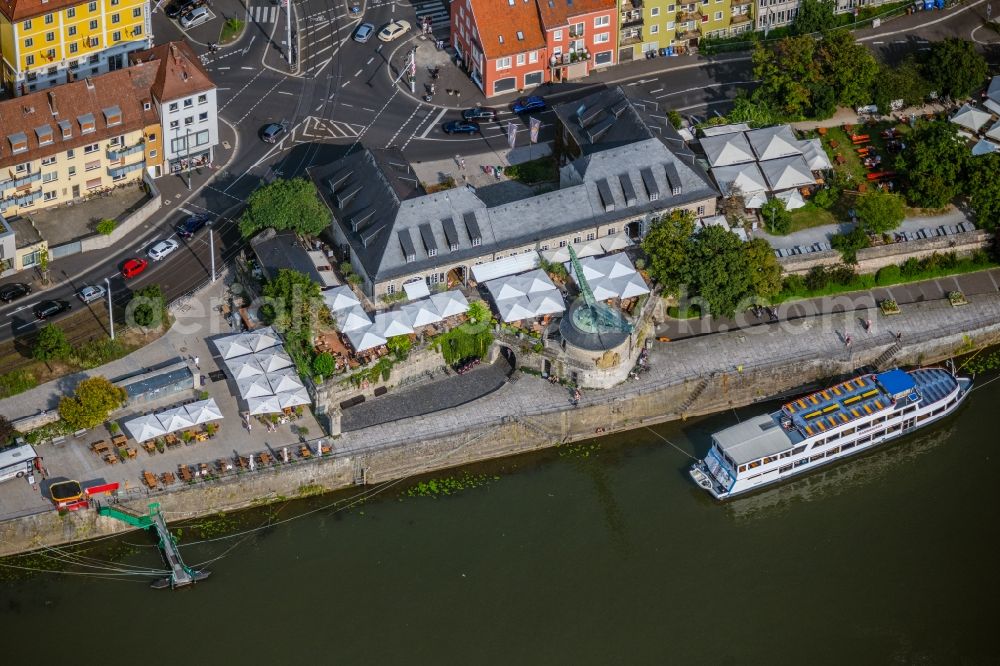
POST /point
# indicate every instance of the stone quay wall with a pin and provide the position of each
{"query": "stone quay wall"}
(639, 404)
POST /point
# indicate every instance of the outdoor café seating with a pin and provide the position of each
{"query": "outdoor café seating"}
(149, 479)
(223, 465)
(150, 447)
(111, 459)
(168, 478)
(131, 453)
(119, 440)
(100, 447)
(304, 451)
(184, 472)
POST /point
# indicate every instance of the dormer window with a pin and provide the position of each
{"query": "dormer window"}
(18, 142)
(112, 116)
(44, 134)
(87, 123)
(66, 127)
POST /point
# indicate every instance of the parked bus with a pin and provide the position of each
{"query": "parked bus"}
(17, 462)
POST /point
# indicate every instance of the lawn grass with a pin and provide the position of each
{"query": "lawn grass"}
(541, 170)
(232, 28)
(810, 216)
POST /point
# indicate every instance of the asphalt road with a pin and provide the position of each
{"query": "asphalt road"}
(343, 94)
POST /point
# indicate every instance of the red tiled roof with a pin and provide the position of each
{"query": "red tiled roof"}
(556, 13)
(126, 89)
(18, 10)
(497, 19)
(179, 74)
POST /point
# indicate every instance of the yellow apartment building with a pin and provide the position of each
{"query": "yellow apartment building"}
(48, 42)
(651, 25)
(78, 139)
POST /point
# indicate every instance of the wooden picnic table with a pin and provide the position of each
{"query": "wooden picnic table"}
(149, 479)
(325, 449)
(131, 453)
(100, 446)
(119, 440)
(265, 458)
(171, 439)
(168, 478)
(150, 447)
(304, 451)
(184, 472)
(203, 468)
(223, 465)
(243, 462)
(111, 459)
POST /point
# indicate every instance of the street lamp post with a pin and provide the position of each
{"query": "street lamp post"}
(187, 153)
(211, 247)
(111, 312)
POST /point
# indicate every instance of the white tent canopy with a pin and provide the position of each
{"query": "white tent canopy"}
(506, 266)
(792, 198)
(286, 380)
(390, 324)
(787, 172)
(450, 303)
(267, 404)
(175, 418)
(203, 411)
(363, 339)
(773, 142)
(274, 359)
(421, 313)
(416, 289)
(144, 428)
(816, 157)
(232, 346)
(970, 117)
(352, 319)
(611, 276)
(253, 387)
(262, 339)
(525, 296)
(746, 177)
(243, 367)
(340, 298)
(984, 147)
(292, 398)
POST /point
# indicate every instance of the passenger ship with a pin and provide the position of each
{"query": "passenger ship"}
(837, 422)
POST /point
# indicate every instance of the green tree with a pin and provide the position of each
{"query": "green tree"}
(323, 365)
(479, 312)
(717, 270)
(847, 67)
(285, 204)
(93, 400)
(667, 245)
(904, 81)
(933, 162)
(51, 344)
(776, 217)
(954, 67)
(400, 346)
(848, 244)
(6, 430)
(784, 70)
(146, 308)
(754, 113)
(294, 307)
(880, 211)
(765, 271)
(106, 226)
(983, 189)
(814, 16)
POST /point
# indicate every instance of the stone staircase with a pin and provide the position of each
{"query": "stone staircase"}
(695, 394)
(886, 356)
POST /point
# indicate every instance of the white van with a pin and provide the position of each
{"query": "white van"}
(196, 16)
(17, 462)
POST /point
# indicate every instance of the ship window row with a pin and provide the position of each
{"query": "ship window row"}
(757, 463)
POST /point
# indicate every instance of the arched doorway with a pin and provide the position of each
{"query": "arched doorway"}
(634, 230)
(508, 356)
(457, 276)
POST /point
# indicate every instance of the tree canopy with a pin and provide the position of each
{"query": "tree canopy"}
(933, 162)
(285, 204)
(6, 430)
(147, 307)
(814, 16)
(51, 344)
(667, 245)
(905, 81)
(954, 67)
(879, 211)
(776, 217)
(983, 189)
(93, 400)
(295, 308)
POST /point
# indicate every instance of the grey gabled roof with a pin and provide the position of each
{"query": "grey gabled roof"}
(772, 142)
(787, 172)
(606, 186)
(727, 149)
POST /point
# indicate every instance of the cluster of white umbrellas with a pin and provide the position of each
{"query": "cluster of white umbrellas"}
(346, 309)
(592, 248)
(423, 312)
(611, 276)
(150, 426)
(525, 296)
(264, 373)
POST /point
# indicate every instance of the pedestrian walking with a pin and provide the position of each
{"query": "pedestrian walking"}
(847, 340)
(868, 326)
(461, 164)
(899, 336)
(197, 362)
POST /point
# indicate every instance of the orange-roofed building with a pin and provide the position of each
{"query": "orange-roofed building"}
(511, 45)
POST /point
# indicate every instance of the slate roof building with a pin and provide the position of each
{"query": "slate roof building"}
(395, 233)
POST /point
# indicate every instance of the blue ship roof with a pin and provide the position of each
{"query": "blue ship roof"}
(895, 382)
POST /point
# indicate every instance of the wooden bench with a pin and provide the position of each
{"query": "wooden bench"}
(119, 440)
(184, 472)
(150, 447)
(168, 478)
(131, 453)
(111, 459)
(149, 479)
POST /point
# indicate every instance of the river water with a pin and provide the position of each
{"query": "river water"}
(599, 553)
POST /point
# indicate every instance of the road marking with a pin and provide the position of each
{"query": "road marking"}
(431, 125)
(358, 73)
(367, 109)
(710, 85)
(345, 84)
(878, 42)
(284, 92)
(320, 66)
(370, 60)
(324, 49)
(245, 67)
(349, 106)
(222, 68)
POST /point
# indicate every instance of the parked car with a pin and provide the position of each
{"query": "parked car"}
(528, 104)
(364, 33)
(480, 114)
(133, 267)
(191, 225)
(91, 293)
(272, 132)
(181, 7)
(162, 249)
(13, 291)
(195, 17)
(394, 30)
(47, 309)
(461, 127)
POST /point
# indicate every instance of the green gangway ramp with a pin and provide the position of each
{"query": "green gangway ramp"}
(126, 516)
(180, 574)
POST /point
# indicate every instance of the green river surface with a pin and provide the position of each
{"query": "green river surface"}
(597, 553)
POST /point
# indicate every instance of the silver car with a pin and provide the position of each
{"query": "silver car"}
(162, 249)
(364, 33)
(91, 293)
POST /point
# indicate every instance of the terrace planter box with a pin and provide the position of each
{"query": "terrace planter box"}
(889, 307)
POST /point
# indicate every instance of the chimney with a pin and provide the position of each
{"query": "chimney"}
(90, 83)
(52, 104)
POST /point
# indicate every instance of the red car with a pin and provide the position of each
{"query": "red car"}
(133, 267)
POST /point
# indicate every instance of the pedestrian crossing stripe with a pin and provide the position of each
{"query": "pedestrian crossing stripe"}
(264, 14)
(435, 10)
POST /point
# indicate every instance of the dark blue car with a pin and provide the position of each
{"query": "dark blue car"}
(461, 127)
(528, 104)
(188, 227)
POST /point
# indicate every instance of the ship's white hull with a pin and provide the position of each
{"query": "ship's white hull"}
(868, 437)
